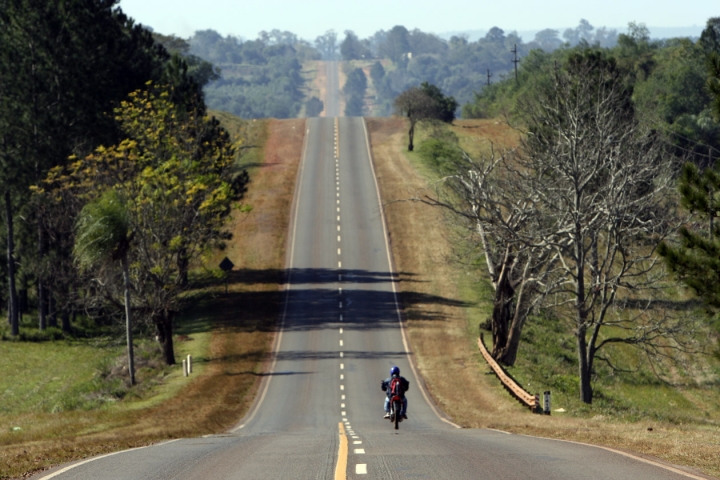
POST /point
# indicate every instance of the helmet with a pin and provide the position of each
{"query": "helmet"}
(394, 371)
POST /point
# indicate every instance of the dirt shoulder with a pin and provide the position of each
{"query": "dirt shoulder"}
(437, 310)
(243, 325)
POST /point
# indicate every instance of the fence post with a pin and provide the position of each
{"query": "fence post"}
(547, 402)
(189, 364)
(185, 369)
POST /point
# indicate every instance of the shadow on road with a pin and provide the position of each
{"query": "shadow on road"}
(256, 302)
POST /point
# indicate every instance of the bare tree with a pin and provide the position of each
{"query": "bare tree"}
(485, 200)
(603, 187)
(571, 220)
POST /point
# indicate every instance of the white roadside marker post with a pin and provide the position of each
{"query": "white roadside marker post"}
(189, 364)
(185, 370)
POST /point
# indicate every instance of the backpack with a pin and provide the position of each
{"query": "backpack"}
(396, 387)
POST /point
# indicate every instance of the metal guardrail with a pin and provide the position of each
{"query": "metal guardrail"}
(527, 399)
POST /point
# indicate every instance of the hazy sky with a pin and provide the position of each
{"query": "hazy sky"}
(310, 18)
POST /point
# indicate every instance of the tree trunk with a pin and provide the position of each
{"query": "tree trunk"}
(65, 319)
(52, 311)
(23, 300)
(164, 336)
(183, 266)
(586, 393)
(502, 313)
(128, 319)
(502, 308)
(50, 305)
(522, 310)
(13, 311)
(42, 291)
(581, 314)
(42, 305)
(411, 136)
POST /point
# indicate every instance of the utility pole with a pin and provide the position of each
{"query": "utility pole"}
(515, 60)
(488, 76)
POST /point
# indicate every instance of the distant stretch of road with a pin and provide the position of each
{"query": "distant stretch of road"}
(321, 404)
(332, 93)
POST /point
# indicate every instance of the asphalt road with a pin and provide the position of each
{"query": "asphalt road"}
(340, 335)
(332, 94)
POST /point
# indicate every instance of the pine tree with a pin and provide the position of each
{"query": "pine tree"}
(696, 260)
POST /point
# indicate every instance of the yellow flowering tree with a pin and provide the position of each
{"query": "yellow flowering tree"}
(174, 172)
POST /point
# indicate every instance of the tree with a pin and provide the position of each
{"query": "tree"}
(483, 199)
(713, 82)
(710, 36)
(696, 259)
(327, 44)
(314, 107)
(415, 104)
(582, 33)
(103, 234)
(495, 35)
(548, 39)
(601, 182)
(352, 49)
(396, 44)
(174, 171)
(377, 72)
(447, 105)
(354, 90)
(424, 103)
(63, 65)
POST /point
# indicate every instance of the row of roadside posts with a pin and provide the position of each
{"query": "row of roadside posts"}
(545, 407)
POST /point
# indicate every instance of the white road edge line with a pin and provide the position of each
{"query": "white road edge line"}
(395, 298)
(625, 454)
(83, 462)
(276, 349)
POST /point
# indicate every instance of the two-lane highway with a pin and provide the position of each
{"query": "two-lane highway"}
(340, 334)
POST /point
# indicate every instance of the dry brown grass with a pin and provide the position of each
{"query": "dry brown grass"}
(438, 330)
(342, 78)
(244, 322)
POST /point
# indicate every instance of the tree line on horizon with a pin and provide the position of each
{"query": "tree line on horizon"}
(261, 77)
